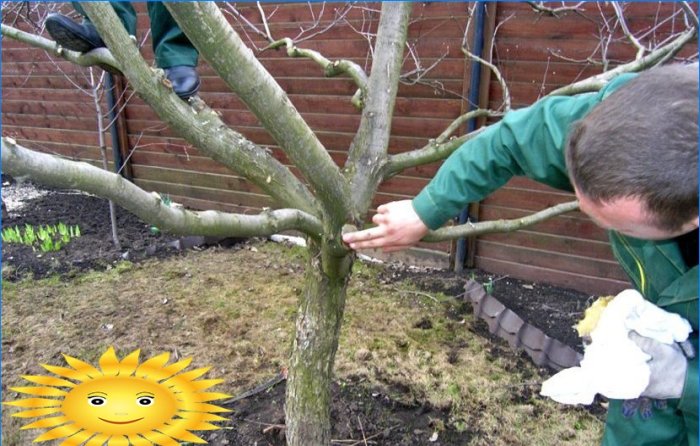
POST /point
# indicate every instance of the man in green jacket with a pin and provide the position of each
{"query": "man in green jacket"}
(174, 53)
(629, 153)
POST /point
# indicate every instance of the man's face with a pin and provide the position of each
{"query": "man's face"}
(629, 216)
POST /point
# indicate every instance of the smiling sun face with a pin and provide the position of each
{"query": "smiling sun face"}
(121, 403)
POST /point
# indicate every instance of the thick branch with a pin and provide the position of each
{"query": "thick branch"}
(99, 56)
(219, 44)
(369, 147)
(430, 153)
(487, 227)
(659, 55)
(330, 69)
(198, 124)
(21, 162)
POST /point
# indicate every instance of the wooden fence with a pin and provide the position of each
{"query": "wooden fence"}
(43, 108)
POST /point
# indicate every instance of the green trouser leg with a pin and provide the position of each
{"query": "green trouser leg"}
(124, 11)
(666, 427)
(170, 44)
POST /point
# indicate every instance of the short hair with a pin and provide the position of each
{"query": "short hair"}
(642, 142)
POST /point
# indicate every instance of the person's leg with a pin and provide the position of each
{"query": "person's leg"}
(170, 45)
(125, 12)
(646, 423)
(84, 37)
(174, 52)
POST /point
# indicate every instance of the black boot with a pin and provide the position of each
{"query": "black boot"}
(184, 79)
(72, 36)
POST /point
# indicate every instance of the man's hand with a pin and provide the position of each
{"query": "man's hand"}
(668, 366)
(398, 227)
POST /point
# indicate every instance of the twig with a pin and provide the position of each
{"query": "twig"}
(353, 442)
(263, 17)
(268, 426)
(655, 57)
(641, 49)
(271, 427)
(259, 388)
(496, 72)
(542, 9)
(364, 438)
(418, 293)
(338, 18)
(589, 59)
(419, 71)
(691, 14)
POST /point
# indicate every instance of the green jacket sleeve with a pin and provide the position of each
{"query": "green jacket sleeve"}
(526, 142)
(689, 400)
(681, 297)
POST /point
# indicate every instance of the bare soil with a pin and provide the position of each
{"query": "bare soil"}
(364, 412)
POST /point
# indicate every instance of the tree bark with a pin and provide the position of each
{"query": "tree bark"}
(319, 318)
(368, 150)
(58, 172)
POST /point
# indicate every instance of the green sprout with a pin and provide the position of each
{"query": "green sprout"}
(488, 286)
(47, 238)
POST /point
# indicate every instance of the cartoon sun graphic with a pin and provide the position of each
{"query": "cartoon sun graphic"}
(122, 403)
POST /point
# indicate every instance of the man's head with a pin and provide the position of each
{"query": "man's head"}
(633, 160)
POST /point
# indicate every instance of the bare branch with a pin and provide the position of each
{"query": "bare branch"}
(245, 23)
(430, 153)
(588, 60)
(496, 72)
(304, 31)
(488, 227)
(658, 56)
(263, 17)
(416, 75)
(100, 57)
(641, 49)
(21, 162)
(96, 93)
(331, 69)
(690, 14)
(454, 126)
(339, 17)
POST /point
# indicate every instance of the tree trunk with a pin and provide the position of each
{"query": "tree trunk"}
(321, 308)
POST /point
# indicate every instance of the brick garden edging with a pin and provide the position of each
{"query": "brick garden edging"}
(543, 349)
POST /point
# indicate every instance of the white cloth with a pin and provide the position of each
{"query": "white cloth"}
(613, 365)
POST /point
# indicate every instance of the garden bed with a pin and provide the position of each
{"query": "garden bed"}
(408, 384)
